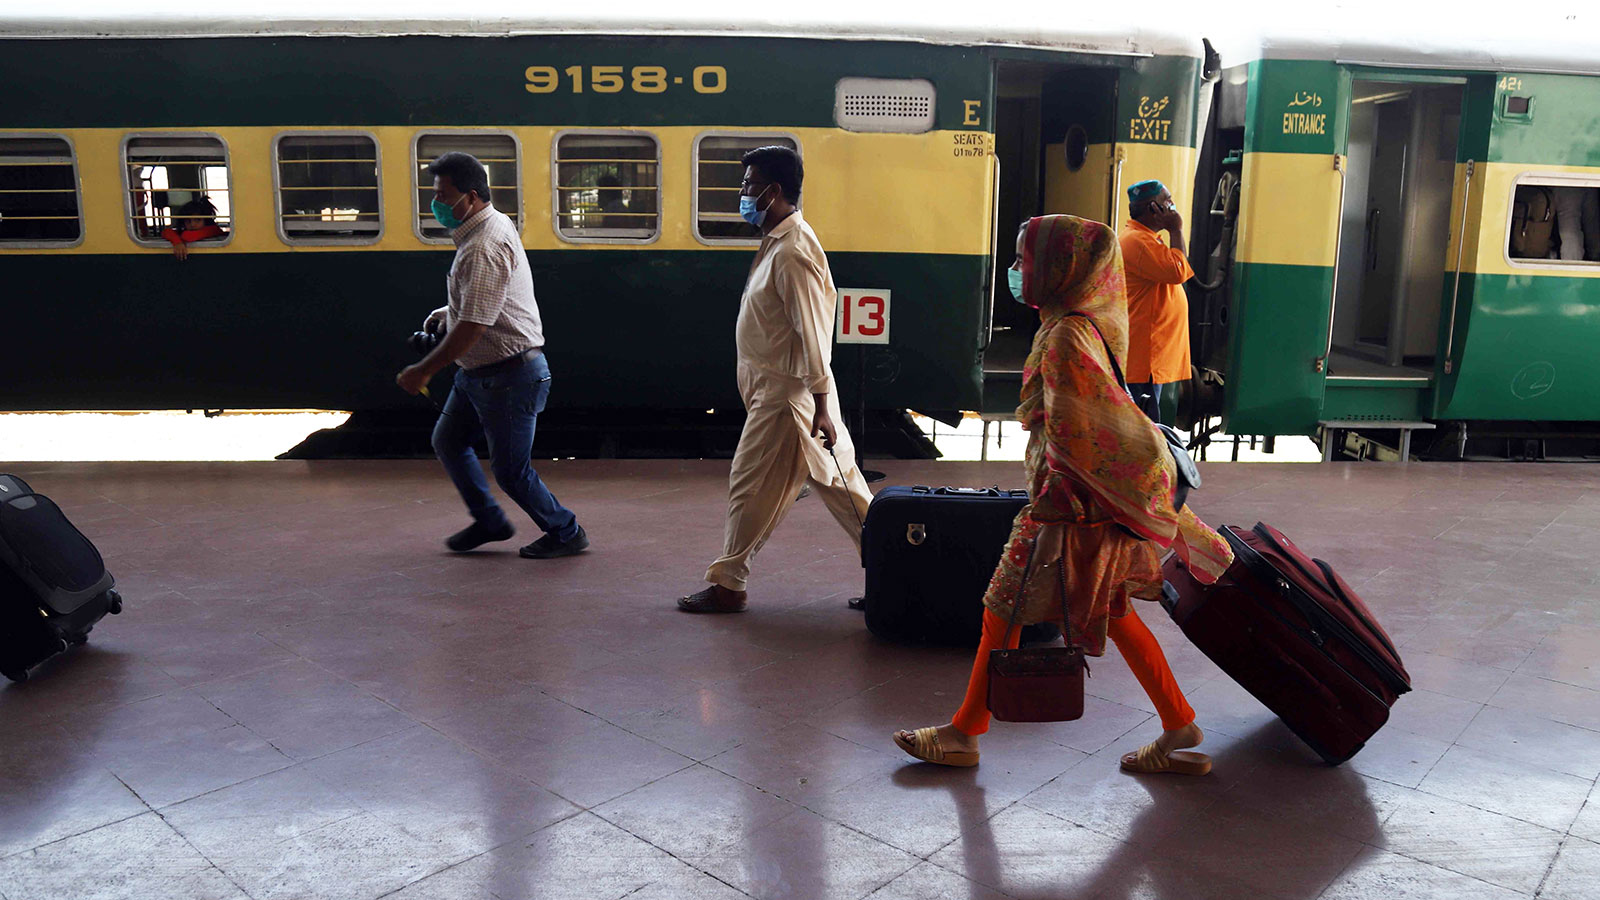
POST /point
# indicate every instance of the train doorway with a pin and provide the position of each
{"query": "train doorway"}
(1394, 229)
(1055, 150)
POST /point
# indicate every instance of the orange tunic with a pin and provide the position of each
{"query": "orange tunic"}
(1158, 309)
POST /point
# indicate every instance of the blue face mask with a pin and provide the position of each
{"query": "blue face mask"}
(748, 210)
(1014, 278)
(446, 214)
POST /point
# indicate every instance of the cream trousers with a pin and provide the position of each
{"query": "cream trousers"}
(776, 456)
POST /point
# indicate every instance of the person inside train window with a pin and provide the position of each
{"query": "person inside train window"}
(1158, 309)
(1578, 222)
(784, 338)
(494, 335)
(1102, 514)
(194, 221)
(612, 202)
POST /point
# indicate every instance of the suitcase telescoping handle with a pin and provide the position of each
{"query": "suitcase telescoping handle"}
(948, 491)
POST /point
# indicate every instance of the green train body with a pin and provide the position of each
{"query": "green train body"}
(1371, 282)
(643, 322)
(1344, 290)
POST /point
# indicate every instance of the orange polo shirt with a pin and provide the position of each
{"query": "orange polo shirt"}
(1158, 309)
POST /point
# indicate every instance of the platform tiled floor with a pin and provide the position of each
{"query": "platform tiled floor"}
(307, 698)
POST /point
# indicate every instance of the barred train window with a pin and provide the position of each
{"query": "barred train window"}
(328, 188)
(38, 192)
(497, 152)
(717, 175)
(607, 187)
(175, 181)
(1555, 219)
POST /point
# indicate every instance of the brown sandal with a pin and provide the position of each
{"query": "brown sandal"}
(924, 745)
(1149, 760)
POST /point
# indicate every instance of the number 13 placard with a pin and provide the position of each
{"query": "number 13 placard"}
(863, 316)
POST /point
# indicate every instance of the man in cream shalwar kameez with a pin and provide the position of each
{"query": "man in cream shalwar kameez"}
(784, 337)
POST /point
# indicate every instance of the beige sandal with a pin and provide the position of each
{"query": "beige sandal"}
(924, 745)
(1149, 760)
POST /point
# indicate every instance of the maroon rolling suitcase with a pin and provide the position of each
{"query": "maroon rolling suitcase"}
(1289, 630)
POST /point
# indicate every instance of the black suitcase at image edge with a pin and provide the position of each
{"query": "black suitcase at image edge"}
(54, 585)
(929, 553)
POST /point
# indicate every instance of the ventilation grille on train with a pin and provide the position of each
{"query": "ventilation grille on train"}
(899, 105)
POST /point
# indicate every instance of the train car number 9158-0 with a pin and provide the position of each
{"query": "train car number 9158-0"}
(616, 79)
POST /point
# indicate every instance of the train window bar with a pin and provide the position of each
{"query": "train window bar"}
(606, 186)
(1553, 221)
(328, 187)
(717, 175)
(498, 150)
(40, 193)
(165, 172)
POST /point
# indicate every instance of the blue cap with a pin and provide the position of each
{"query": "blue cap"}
(1145, 190)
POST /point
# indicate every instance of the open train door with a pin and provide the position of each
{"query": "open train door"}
(1395, 267)
(1069, 137)
(1351, 195)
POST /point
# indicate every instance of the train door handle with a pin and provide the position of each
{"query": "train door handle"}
(1373, 223)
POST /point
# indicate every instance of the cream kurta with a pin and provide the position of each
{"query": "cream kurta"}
(785, 343)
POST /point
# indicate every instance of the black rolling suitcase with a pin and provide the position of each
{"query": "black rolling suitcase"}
(54, 586)
(929, 553)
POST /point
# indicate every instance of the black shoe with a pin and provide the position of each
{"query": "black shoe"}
(548, 547)
(712, 600)
(476, 535)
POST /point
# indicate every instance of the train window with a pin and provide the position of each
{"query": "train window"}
(328, 188)
(177, 183)
(717, 174)
(39, 197)
(1556, 220)
(497, 151)
(607, 187)
(898, 105)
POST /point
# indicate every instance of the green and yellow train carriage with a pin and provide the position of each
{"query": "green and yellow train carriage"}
(615, 148)
(1373, 283)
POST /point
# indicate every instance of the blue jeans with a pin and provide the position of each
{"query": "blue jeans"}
(504, 407)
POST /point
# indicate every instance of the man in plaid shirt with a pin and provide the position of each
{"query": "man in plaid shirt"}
(493, 333)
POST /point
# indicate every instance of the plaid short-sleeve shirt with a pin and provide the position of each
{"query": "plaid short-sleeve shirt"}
(490, 284)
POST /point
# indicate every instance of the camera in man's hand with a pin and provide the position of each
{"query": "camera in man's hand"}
(423, 342)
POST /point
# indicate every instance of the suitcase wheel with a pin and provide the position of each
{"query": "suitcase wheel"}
(78, 640)
(18, 675)
(115, 607)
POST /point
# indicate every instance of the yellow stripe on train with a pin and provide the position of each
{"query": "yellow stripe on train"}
(1289, 215)
(877, 193)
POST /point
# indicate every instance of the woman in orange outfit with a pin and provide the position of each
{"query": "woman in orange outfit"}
(1101, 479)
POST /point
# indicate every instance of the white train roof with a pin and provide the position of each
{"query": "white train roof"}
(1040, 24)
(1530, 35)
(1492, 35)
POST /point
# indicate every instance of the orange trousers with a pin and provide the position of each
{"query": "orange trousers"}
(1134, 641)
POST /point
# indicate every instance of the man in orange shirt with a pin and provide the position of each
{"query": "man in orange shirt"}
(1158, 310)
